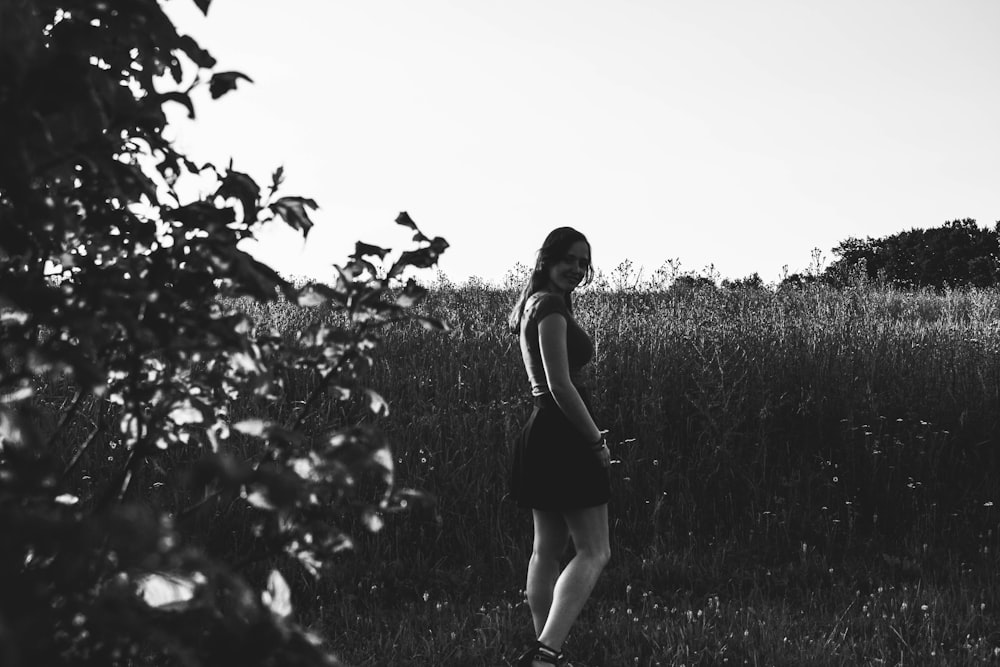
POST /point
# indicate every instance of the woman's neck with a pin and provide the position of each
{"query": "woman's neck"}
(552, 289)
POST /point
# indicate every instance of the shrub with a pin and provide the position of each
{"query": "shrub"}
(114, 288)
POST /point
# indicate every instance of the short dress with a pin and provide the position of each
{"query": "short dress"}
(553, 467)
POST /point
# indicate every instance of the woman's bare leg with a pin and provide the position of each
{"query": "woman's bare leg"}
(551, 540)
(589, 529)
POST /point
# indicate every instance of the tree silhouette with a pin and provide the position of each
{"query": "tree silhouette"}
(959, 253)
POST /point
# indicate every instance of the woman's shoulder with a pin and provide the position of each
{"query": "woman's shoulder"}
(541, 304)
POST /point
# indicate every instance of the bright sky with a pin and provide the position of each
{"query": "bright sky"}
(727, 132)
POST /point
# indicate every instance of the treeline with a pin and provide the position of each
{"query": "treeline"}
(957, 254)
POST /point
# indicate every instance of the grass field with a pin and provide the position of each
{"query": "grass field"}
(804, 477)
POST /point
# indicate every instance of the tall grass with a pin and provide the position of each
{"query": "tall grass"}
(803, 476)
(818, 415)
(823, 462)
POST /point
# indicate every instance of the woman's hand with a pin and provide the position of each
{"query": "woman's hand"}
(601, 451)
(603, 455)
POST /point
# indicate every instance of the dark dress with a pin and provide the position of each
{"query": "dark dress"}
(553, 467)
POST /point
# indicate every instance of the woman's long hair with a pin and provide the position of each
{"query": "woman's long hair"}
(553, 250)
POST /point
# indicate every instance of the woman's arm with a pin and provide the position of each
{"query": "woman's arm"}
(555, 360)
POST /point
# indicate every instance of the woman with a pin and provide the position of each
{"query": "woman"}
(560, 462)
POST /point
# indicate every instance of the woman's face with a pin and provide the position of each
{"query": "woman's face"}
(566, 274)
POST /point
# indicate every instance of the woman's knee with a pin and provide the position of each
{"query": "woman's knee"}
(603, 556)
(549, 550)
(598, 554)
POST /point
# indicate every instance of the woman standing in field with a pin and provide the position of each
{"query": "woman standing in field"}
(560, 463)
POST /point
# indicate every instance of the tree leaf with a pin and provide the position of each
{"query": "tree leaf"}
(309, 296)
(365, 249)
(15, 395)
(185, 413)
(198, 55)
(200, 214)
(254, 427)
(293, 211)
(258, 498)
(358, 267)
(180, 98)
(223, 82)
(412, 294)
(421, 258)
(376, 403)
(404, 219)
(12, 316)
(277, 178)
(372, 520)
(277, 596)
(168, 591)
(240, 186)
(16, 432)
(438, 245)
(382, 457)
(257, 278)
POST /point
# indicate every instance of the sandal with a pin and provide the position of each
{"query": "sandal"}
(539, 652)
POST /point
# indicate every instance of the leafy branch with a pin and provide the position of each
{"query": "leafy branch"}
(111, 282)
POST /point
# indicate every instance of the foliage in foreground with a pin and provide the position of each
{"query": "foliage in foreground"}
(115, 289)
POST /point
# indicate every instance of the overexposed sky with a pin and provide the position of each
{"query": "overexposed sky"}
(736, 133)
